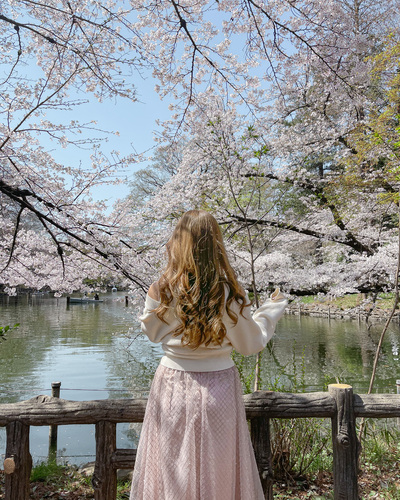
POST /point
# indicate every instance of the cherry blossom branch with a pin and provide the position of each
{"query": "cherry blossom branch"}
(20, 197)
(17, 25)
(39, 104)
(347, 239)
(14, 240)
(197, 48)
(53, 38)
(60, 251)
(261, 36)
(301, 39)
(19, 53)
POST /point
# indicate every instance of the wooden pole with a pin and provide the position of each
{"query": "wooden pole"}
(53, 429)
(45, 410)
(124, 458)
(18, 462)
(345, 444)
(398, 392)
(260, 437)
(105, 475)
(126, 300)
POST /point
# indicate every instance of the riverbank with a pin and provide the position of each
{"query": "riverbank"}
(353, 306)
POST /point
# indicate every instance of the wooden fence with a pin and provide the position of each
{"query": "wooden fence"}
(339, 404)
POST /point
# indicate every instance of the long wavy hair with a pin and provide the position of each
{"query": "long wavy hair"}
(196, 278)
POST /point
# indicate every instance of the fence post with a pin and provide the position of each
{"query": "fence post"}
(398, 392)
(53, 429)
(260, 437)
(18, 462)
(345, 443)
(105, 476)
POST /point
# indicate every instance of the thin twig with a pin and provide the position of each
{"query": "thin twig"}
(378, 349)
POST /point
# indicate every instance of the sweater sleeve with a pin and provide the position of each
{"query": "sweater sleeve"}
(150, 324)
(249, 336)
(252, 333)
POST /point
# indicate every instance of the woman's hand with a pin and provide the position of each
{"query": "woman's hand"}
(277, 295)
(154, 291)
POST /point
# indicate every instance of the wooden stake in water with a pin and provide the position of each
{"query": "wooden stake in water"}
(257, 367)
(398, 392)
(55, 392)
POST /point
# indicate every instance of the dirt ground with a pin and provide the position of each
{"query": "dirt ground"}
(373, 484)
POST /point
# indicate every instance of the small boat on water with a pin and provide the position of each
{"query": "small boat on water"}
(82, 300)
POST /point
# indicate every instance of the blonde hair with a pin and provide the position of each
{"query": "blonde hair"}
(196, 277)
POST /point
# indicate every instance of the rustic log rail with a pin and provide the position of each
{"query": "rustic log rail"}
(339, 404)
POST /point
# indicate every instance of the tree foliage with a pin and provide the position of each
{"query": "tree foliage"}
(269, 103)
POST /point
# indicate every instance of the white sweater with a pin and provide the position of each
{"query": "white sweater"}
(249, 336)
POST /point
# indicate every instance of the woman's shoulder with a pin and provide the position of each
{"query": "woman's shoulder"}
(237, 297)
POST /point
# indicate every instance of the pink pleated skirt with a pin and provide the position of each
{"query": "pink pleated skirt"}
(195, 443)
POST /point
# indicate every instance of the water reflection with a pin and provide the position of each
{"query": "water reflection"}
(96, 352)
(322, 351)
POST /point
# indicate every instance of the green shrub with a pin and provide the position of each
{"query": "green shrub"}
(299, 446)
(5, 329)
(47, 471)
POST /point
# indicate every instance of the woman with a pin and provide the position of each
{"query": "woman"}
(195, 443)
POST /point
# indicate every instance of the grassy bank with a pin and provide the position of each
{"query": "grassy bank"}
(383, 301)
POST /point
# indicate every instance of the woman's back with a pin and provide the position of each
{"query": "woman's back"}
(246, 335)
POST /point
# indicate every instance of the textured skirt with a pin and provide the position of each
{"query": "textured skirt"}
(195, 443)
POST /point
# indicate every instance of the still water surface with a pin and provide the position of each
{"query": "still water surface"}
(94, 350)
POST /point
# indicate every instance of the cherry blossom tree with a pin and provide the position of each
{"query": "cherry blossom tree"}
(277, 233)
(263, 96)
(292, 146)
(53, 55)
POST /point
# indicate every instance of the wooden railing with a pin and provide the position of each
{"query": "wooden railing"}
(339, 404)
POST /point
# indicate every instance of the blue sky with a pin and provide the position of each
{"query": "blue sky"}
(135, 122)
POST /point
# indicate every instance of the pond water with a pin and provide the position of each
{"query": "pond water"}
(95, 352)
